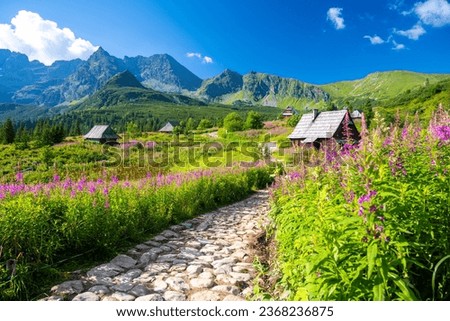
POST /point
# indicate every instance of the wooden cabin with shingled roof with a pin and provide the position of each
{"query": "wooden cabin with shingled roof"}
(102, 134)
(316, 127)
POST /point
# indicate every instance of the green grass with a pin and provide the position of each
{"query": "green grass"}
(75, 158)
(381, 85)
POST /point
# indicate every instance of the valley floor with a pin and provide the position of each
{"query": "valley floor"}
(208, 258)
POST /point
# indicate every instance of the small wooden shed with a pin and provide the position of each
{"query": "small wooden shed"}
(289, 112)
(102, 134)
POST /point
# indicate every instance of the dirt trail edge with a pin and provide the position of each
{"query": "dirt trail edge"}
(208, 258)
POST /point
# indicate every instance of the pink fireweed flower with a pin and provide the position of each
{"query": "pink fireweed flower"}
(150, 145)
(364, 130)
(367, 197)
(441, 132)
(347, 148)
(67, 184)
(349, 197)
(91, 188)
(56, 178)
(294, 176)
(405, 133)
(361, 211)
(387, 142)
(19, 177)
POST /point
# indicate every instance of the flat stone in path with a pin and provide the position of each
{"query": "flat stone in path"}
(86, 296)
(208, 258)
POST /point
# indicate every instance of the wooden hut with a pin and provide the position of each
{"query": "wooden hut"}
(289, 112)
(102, 134)
(356, 114)
(168, 127)
(316, 127)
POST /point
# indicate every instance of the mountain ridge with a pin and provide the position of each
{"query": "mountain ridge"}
(67, 82)
(256, 88)
(125, 89)
(161, 72)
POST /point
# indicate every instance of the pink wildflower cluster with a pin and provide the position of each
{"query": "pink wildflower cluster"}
(440, 125)
(442, 132)
(104, 186)
(130, 144)
(150, 145)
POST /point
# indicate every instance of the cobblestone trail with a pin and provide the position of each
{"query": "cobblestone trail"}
(208, 258)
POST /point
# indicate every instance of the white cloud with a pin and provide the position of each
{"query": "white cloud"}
(204, 59)
(398, 46)
(375, 40)
(335, 16)
(433, 12)
(42, 39)
(414, 33)
(194, 54)
(207, 60)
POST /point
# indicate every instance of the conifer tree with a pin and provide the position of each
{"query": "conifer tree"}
(8, 132)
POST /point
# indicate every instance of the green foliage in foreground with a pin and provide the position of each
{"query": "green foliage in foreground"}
(43, 224)
(368, 223)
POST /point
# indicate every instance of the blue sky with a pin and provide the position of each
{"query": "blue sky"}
(317, 41)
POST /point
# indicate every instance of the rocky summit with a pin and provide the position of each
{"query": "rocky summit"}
(208, 258)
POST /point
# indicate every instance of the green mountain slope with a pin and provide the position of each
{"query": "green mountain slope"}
(381, 85)
(423, 100)
(125, 89)
(225, 83)
(20, 112)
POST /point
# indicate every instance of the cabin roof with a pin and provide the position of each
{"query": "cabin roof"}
(169, 126)
(323, 126)
(356, 114)
(101, 132)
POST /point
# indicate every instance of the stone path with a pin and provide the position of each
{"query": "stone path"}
(208, 258)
